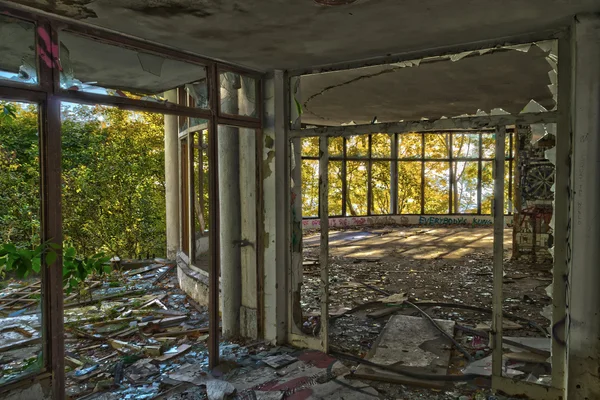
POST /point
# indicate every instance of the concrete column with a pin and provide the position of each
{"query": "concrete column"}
(172, 179)
(247, 177)
(275, 188)
(583, 343)
(229, 211)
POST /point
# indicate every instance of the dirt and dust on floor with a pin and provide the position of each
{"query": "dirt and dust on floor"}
(409, 303)
(136, 335)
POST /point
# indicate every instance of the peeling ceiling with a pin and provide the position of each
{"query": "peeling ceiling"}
(269, 34)
(507, 79)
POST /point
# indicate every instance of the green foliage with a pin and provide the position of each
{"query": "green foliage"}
(113, 179)
(76, 270)
(7, 110)
(435, 186)
(24, 261)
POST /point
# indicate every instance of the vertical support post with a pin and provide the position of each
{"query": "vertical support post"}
(422, 173)
(452, 178)
(519, 132)
(344, 180)
(370, 177)
(191, 195)
(50, 165)
(296, 272)
(479, 173)
(213, 210)
(324, 253)
(394, 175)
(172, 179)
(498, 213)
(584, 297)
(276, 190)
(229, 211)
(50, 153)
(561, 213)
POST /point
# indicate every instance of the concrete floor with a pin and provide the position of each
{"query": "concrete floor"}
(414, 242)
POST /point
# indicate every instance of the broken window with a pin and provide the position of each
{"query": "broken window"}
(18, 62)
(97, 67)
(238, 94)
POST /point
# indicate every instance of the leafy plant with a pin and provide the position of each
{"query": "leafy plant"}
(7, 110)
(76, 270)
(25, 261)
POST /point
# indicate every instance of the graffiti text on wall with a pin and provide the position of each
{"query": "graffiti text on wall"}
(454, 221)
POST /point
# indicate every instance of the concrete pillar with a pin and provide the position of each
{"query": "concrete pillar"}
(275, 209)
(584, 278)
(172, 179)
(229, 211)
(247, 178)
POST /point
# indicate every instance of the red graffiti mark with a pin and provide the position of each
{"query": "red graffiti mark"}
(47, 50)
(316, 358)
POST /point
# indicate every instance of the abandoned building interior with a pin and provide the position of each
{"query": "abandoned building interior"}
(406, 215)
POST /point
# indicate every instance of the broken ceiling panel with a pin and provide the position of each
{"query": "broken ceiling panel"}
(468, 84)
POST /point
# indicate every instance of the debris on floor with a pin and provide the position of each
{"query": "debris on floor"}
(413, 343)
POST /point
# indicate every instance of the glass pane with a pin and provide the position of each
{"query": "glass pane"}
(487, 187)
(17, 47)
(409, 188)
(20, 284)
(436, 145)
(488, 145)
(410, 145)
(464, 190)
(381, 180)
(356, 193)
(357, 146)
(335, 188)
(310, 188)
(381, 145)
(336, 146)
(465, 145)
(96, 67)
(238, 94)
(310, 146)
(436, 187)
